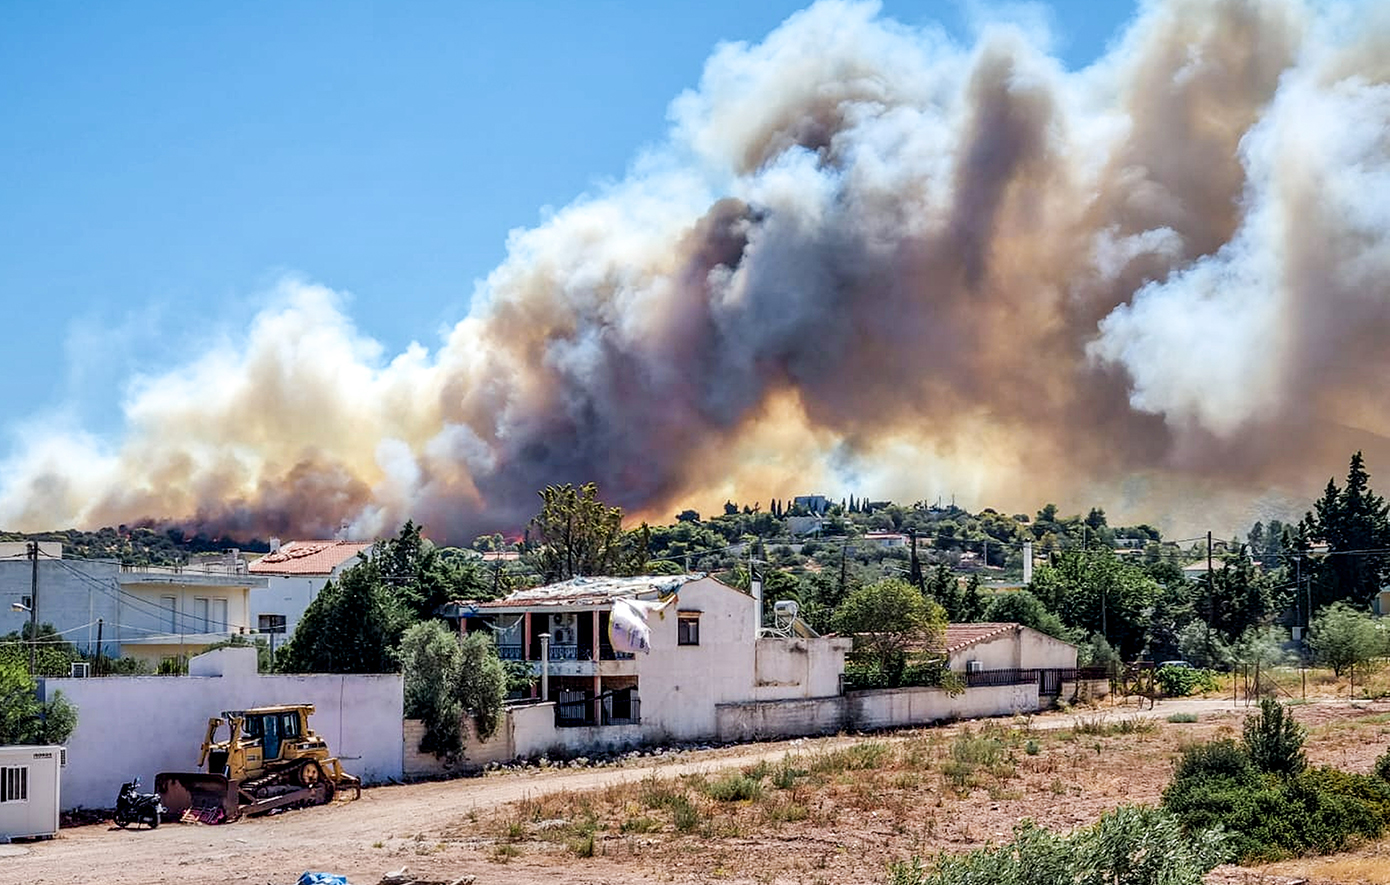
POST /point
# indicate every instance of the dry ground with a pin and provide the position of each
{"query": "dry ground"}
(827, 810)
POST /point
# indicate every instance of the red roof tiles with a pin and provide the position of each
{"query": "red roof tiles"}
(307, 558)
(958, 636)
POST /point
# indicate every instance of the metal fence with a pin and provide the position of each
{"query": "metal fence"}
(617, 707)
(1049, 681)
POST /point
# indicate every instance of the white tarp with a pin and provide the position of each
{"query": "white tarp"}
(627, 626)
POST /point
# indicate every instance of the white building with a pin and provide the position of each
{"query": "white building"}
(886, 540)
(705, 652)
(294, 575)
(153, 613)
(30, 781)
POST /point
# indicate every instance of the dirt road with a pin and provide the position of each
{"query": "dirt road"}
(395, 826)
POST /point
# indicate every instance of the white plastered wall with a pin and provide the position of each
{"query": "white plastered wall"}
(131, 726)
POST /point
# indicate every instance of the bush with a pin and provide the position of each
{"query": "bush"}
(1132, 845)
(734, 788)
(1268, 816)
(1179, 682)
(1182, 718)
(1274, 741)
(430, 664)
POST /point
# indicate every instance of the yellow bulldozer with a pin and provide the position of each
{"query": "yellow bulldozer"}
(271, 759)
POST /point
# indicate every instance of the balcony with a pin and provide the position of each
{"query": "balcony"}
(515, 652)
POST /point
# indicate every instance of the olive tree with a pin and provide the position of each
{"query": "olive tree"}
(1342, 637)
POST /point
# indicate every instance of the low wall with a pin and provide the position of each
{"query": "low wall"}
(897, 707)
(1084, 691)
(141, 725)
(764, 720)
(417, 764)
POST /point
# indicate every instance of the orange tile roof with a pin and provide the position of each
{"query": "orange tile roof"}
(959, 636)
(307, 558)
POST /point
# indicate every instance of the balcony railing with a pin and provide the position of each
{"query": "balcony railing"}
(513, 651)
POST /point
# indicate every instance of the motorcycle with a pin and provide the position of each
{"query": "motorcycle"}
(135, 807)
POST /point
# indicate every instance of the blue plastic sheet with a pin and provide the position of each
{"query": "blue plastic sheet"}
(323, 879)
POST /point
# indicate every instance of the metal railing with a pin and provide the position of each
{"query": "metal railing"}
(514, 651)
(618, 707)
(1048, 680)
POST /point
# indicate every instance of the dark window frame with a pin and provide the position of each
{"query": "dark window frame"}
(688, 628)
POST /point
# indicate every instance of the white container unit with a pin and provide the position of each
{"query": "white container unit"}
(29, 783)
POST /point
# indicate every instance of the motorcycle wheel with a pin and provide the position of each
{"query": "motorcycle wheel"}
(122, 821)
(153, 820)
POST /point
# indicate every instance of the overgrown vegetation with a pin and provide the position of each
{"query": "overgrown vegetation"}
(24, 719)
(1263, 795)
(1132, 845)
(445, 678)
(1180, 682)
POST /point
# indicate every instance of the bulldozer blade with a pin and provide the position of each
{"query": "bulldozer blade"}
(198, 796)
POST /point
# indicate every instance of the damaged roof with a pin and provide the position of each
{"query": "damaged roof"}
(588, 592)
(306, 558)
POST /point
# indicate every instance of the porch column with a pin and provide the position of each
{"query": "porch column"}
(597, 655)
(526, 644)
(598, 680)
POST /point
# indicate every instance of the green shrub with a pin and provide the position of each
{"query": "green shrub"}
(1274, 741)
(784, 778)
(1269, 816)
(684, 815)
(1032, 748)
(1382, 768)
(1183, 717)
(1132, 845)
(1179, 682)
(734, 788)
(859, 757)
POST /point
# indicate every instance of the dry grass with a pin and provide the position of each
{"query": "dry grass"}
(842, 814)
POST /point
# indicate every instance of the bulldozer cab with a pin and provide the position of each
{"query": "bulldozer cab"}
(272, 727)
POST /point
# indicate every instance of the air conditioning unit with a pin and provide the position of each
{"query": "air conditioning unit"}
(80, 670)
(974, 666)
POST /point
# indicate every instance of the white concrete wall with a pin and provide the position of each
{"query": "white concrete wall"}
(680, 685)
(764, 720)
(897, 707)
(1041, 651)
(1021, 648)
(799, 668)
(287, 595)
(142, 725)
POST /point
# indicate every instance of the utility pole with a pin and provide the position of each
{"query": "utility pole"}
(1211, 592)
(34, 609)
(97, 662)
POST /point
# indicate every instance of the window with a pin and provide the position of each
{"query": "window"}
(170, 605)
(687, 628)
(270, 623)
(210, 615)
(14, 783)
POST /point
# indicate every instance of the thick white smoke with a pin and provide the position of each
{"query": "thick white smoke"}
(865, 254)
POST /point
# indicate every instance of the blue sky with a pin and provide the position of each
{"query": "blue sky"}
(165, 163)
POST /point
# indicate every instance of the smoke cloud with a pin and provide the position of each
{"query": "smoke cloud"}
(867, 259)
